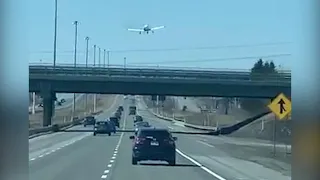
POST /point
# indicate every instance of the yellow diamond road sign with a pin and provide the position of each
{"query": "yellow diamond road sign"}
(280, 106)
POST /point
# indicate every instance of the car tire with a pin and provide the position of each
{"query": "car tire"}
(172, 162)
(94, 134)
(84, 125)
(134, 161)
(109, 134)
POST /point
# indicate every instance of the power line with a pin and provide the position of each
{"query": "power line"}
(217, 59)
(178, 49)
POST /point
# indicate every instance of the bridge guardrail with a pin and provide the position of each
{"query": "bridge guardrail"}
(65, 71)
(130, 66)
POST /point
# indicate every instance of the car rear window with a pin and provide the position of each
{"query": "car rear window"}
(90, 118)
(159, 134)
(102, 123)
(142, 123)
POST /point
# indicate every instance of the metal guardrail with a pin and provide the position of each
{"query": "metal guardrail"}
(57, 127)
(130, 66)
(152, 73)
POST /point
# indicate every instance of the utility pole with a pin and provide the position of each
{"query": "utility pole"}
(55, 33)
(75, 62)
(87, 53)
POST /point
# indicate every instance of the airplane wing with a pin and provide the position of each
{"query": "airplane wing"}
(136, 30)
(156, 28)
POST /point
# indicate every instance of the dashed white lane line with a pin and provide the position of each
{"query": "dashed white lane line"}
(113, 158)
(104, 176)
(207, 144)
(200, 165)
(54, 150)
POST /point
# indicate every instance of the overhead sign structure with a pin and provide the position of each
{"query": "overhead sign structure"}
(280, 106)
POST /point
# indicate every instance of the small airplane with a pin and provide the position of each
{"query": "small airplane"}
(146, 29)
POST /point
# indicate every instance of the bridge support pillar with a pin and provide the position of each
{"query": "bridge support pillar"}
(48, 97)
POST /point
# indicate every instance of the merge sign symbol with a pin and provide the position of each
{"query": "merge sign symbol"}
(280, 106)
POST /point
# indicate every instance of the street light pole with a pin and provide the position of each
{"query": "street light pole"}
(75, 62)
(75, 42)
(108, 58)
(87, 50)
(87, 53)
(55, 33)
(99, 56)
(94, 54)
(104, 57)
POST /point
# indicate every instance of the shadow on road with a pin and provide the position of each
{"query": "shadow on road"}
(159, 164)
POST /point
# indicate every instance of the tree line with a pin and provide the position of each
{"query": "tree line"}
(260, 70)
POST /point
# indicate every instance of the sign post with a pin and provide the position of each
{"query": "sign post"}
(281, 107)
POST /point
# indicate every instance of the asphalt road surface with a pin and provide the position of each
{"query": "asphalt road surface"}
(82, 156)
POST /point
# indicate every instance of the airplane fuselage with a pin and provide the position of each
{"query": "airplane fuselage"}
(146, 28)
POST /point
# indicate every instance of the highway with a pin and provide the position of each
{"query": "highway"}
(82, 156)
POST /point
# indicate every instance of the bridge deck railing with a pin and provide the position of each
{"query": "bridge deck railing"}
(152, 67)
(157, 72)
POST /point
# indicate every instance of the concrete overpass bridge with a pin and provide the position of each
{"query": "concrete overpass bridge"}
(48, 80)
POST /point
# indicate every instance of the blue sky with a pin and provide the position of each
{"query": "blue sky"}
(189, 24)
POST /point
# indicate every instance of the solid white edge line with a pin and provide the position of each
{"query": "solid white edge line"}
(200, 165)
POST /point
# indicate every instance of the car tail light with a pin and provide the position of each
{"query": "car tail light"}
(139, 140)
(169, 141)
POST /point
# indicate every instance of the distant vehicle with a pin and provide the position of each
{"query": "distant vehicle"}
(137, 119)
(117, 115)
(146, 29)
(120, 108)
(102, 127)
(112, 126)
(139, 125)
(154, 144)
(115, 120)
(132, 110)
(89, 120)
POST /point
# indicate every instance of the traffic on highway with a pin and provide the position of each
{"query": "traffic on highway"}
(143, 146)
